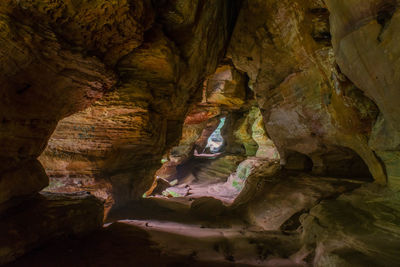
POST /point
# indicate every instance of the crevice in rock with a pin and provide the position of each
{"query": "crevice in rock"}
(293, 223)
(321, 29)
(386, 10)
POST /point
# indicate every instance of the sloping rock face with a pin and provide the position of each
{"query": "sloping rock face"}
(364, 38)
(226, 87)
(121, 78)
(357, 229)
(282, 198)
(122, 137)
(22, 181)
(308, 105)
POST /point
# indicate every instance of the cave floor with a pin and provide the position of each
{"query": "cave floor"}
(169, 232)
(161, 232)
(155, 243)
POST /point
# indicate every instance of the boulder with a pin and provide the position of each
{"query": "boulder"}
(360, 228)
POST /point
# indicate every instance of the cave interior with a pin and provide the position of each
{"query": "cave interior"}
(199, 133)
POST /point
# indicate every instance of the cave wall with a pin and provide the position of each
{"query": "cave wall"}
(316, 94)
(309, 106)
(114, 80)
(49, 72)
(364, 39)
(121, 138)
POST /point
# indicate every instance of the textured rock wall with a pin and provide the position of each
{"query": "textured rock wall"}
(365, 37)
(356, 229)
(225, 95)
(60, 57)
(49, 70)
(57, 58)
(122, 137)
(120, 76)
(308, 105)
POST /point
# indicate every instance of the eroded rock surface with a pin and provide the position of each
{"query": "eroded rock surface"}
(360, 228)
(43, 80)
(123, 137)
(284, 197)
(364, 38)
(308, 105)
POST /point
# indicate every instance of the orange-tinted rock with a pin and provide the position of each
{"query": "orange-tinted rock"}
(201, 114)
(365, 41)
(109, 29)
(226, 88)
(122, 137)
(307, 104)
(43, 80)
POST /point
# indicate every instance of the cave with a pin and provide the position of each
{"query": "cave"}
(199, 133)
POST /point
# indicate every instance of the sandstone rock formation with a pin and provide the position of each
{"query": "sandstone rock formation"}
(364, 37)
(122, 137)
(124, 93)
(42, 82)
(228, 106)
(357, 229)
(60, 57)
(308, 105)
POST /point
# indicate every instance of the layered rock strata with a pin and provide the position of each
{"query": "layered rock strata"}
(121, 139)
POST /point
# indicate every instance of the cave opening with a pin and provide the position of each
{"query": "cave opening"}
(346, 163)
(223, 164)
(215, 142)
(298, 162)
(340, 163)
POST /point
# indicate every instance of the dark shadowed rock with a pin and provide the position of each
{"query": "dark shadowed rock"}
(45, 217)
